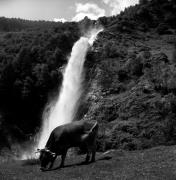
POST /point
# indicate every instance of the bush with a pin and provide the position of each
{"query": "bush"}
(163, 29)
(134, 66)
(174, 55)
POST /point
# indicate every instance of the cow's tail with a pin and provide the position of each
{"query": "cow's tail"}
(94, 129)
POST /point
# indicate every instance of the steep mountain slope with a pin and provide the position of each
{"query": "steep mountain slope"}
(133, 87)
(133, 95)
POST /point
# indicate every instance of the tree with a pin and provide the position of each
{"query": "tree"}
(27, 88)
(42, 76)
(143, 2)
(23, 63)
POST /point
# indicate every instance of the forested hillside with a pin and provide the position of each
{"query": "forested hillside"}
(130, 72)
(29, 73)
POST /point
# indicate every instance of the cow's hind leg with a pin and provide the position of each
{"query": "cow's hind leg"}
(93, 154)
(93, 150)
(88, 155)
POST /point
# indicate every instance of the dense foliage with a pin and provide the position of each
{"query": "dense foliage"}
(130, 75)
(30, 62)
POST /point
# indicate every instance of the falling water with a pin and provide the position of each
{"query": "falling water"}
(63, 109)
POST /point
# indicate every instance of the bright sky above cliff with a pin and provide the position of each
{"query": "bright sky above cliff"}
(61, 10)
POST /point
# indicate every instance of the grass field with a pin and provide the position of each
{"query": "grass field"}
(154, 164)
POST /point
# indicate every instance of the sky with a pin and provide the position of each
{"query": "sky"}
(62, 10)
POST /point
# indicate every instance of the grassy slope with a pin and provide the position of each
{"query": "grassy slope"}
(156, 163)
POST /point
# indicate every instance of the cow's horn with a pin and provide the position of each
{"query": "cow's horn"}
(53, 153)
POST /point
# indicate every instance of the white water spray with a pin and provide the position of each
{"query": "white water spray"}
(62, 110)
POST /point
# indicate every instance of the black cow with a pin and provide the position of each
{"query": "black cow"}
(76, 134)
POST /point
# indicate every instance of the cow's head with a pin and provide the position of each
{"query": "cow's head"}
(46, 157)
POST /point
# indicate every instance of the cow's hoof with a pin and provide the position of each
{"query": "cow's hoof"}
(92, 161)
(85, 162)
(50, 167)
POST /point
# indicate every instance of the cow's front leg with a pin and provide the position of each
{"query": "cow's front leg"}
(52, 162)
(63, 156)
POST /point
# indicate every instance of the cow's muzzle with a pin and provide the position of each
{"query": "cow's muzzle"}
(43, 169)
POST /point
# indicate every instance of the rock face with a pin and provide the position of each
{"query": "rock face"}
(133, 91)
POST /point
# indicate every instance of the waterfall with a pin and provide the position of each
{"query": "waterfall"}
(62, 110)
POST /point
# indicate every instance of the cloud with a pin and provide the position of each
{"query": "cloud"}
(91, 10)
(59, 20)
(119, 5)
